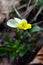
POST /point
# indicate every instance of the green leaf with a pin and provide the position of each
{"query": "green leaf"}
(3, 51)
(16, 44)
(12, 56)
(39, 4)
(22, 50)
(35, 28)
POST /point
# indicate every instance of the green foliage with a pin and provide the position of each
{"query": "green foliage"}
(2, 51)
(39, 4)
(19, 46)
(35, 28)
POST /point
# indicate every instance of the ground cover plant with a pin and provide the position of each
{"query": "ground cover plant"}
(21, 35)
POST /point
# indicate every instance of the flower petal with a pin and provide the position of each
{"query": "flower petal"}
(12, 23)
(23, 21)
(17, 20)
(29, 26)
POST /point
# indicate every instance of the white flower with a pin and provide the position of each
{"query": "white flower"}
(13, 22)
(18, 23)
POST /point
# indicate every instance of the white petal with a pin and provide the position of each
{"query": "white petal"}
(17, 20)
(11, 23)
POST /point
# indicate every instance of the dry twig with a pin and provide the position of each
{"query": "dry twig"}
(26, 13)
(34, 19)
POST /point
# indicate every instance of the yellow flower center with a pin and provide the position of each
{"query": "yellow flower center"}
(24, 25)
